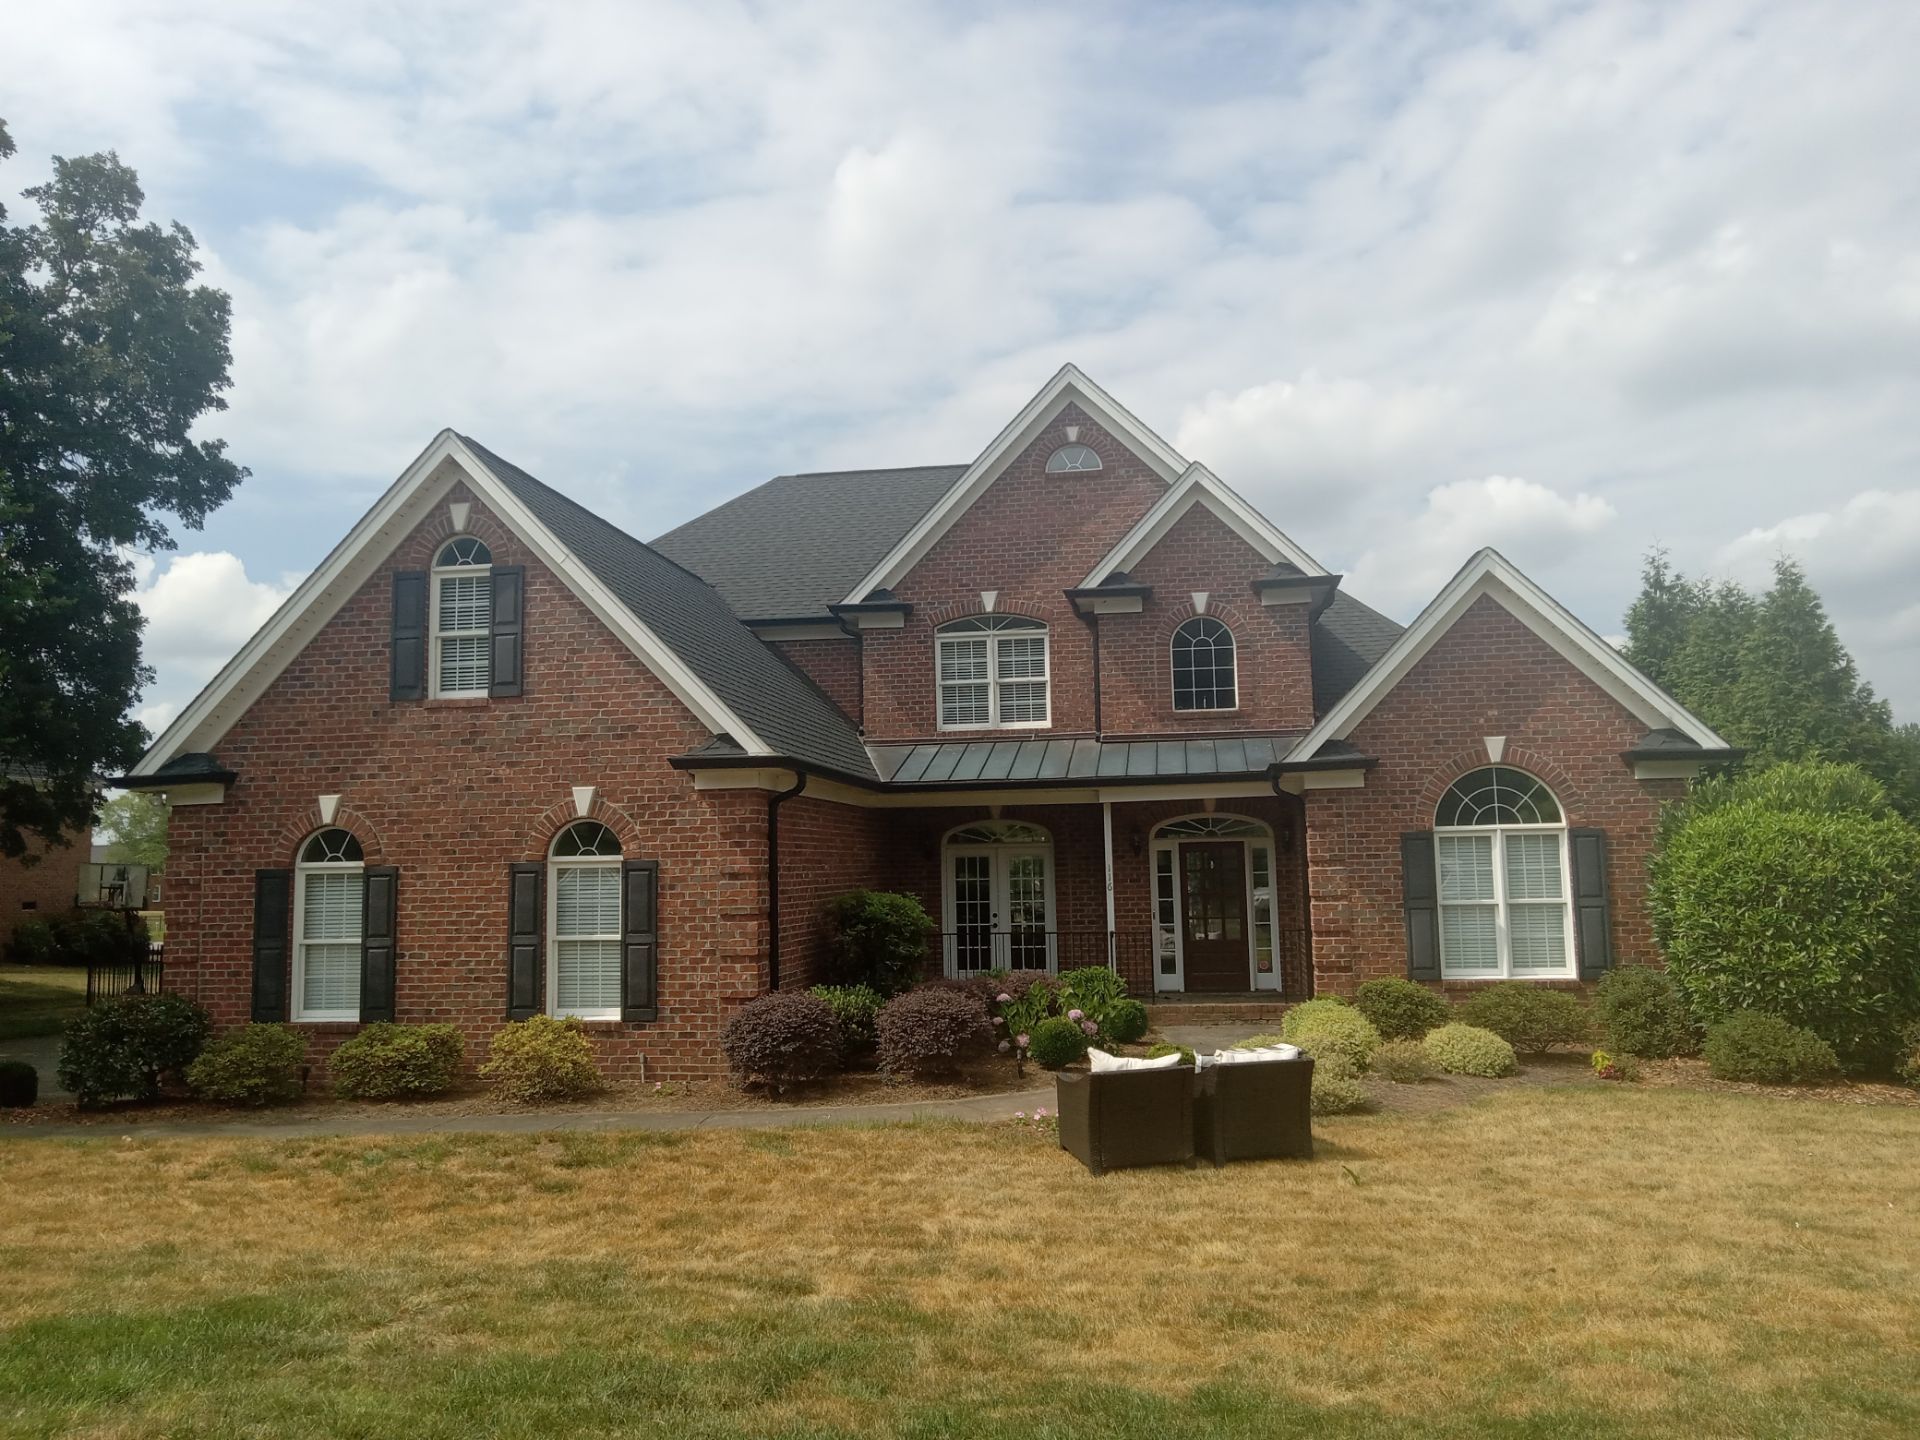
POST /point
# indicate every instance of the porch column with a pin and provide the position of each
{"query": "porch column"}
(1106, 830)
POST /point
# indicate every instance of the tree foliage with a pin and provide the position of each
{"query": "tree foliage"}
(1769, 673)
(109, 355)
(137, 823)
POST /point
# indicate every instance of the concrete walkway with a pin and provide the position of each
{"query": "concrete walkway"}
(533, 1122)
(43, 1053)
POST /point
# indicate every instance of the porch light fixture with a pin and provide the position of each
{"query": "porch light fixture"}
(1137, 842)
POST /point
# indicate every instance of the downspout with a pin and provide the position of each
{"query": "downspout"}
(774, 802)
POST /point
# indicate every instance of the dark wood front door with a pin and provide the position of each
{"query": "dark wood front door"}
(1213, 914)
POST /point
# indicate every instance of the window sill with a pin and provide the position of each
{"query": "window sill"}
(456, 701)
(329, 1026)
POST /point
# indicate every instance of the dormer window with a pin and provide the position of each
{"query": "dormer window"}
(1070, 459)
(993, 673)
(462, 619)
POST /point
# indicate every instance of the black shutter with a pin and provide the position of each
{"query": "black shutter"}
(526, 933)
(639, 935)
(1420, 898)
(376, 942)
(1592, 930)
(272, 912)
(408, 679)
(509, 630)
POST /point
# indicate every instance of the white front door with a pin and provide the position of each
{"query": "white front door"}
(998, 908)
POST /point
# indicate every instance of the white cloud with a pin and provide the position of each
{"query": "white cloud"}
(1536, 528)
(200, 609)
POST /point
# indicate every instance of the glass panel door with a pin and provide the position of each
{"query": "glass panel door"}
(999, 909)
(973, 911)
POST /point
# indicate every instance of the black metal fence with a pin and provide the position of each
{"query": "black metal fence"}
(1131, 953)
(140, 976)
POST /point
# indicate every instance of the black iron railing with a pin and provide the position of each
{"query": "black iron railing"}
(138, 976)
(1134, 954)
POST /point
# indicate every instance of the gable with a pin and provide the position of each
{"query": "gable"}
(1199, 488)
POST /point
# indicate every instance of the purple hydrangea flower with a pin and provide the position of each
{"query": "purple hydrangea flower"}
(1021, 1041)
(1004, 1047)
(1004, 998)
(1041, 1113)
(1019, 1114)
(1090, 1027)
(1076, 1014)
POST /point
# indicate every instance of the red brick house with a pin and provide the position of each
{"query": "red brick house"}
(495, 757)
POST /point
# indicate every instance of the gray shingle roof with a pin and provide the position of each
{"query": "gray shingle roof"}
(799, 543)
(1348, 638)
(783, 708)
(1040, 760)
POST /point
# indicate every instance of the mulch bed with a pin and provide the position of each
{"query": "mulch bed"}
(1692, 1075)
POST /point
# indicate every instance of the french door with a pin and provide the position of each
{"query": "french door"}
(999, 908)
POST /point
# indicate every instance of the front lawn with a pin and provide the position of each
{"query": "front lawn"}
(40, 999)
(1552, 1262)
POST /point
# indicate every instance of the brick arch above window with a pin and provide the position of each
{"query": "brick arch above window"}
(297, 831)
(1027, 607)
(1173, 616)
(557, 817)
(423, 546)
(1465, 761)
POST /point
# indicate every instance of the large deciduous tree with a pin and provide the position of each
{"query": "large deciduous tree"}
(109, 354)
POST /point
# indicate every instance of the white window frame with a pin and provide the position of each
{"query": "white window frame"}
(1057, 463)
(1173, 670)
(999, 842)
(1500, 904)
(301, 870)
(555, 865)
(441, 573)
(994, 630)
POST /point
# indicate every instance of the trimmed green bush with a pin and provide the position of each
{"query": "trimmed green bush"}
(1531, 1019)
(397, 1062)
(1400, 1009)
(1468, 1050)
(1404, 1062)
(19, 1085)
(1057, 1041)
(1159, 1051)
(1329, 1027)
(34, 943)
(855, 1008)
(542, 1059)
(929, 1031)
(1124, 1022)
(877, 938)
(1639, 1011)
(250, 1065)
(1336, 1088)
(126, 1047)
(782, 1039)
(1766, 1050)
(1907, 1066)
(1781, 898)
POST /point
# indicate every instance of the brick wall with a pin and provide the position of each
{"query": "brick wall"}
(826, 849)
(1031, 536)
(45, 888)
(1489, 675)
(454, 791)
(833, 665)
(1274, 664)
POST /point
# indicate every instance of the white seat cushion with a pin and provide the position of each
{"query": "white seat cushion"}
(1248, 1057)
(1102, 1063)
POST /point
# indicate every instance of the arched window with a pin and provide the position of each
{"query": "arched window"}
(1500, 844)
(330, 908)
(584, 922)
(992, 673)
(1203, 670)
(1072, 459)
(462, 618)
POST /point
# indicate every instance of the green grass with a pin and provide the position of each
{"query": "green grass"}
(1547, 1263)
(39, 999)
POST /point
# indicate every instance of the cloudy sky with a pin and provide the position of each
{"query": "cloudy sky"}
(1570, 279)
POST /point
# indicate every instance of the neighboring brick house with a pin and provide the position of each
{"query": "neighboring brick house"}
(495, 757)
(42, 884)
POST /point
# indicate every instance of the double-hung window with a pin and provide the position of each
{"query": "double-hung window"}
(992, 673)
(1500, 843)
(584, 922)
(462, 619)
(329, 921)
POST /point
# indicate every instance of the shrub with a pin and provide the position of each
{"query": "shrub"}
(35, 943)
(1527, 1017)
(127, 1046)
(1092, 988)
(1615, 1067)
(1400, 1009)
(1767, 1050)
(929, 1031)
(854, 1009)
(542, 1059)
(1184, 1052)
(1329, 1027)
(877, 938)
(250, 1065)
(1468, 1050)
(1124, 1022)
(98, 937)
(1404, 1062)
(1337, 1091)
(1058, 1041)
(19, 1084)
(782, 1039)
(1639, 1012)
(1804, 907)
(1907, 1067)
(1016, 1011)
(397, 1062)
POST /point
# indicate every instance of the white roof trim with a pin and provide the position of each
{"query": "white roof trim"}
(1200, 486)
(349, 565)
(1491, 573)
(1069, 385)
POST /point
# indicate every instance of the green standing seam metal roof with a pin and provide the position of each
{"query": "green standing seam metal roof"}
(782, 706)
(797, 544)
(1042, 761)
